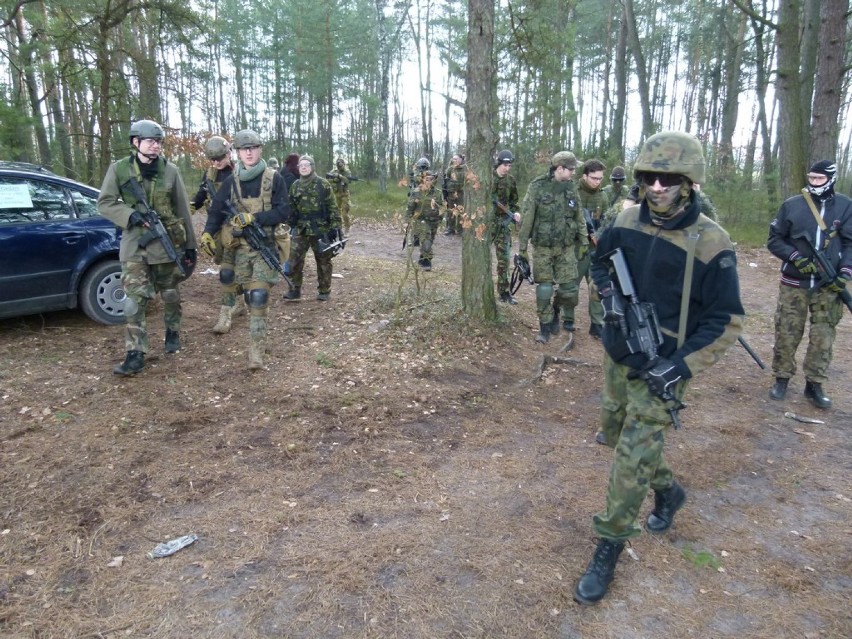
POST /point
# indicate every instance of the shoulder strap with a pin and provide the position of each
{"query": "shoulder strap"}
(691, 243)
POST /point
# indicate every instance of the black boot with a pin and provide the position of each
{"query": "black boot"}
(596, 330)
(779, 388)
(506, 297)
(172, 341)
(133, 363)
(543, 332)
(813, 391)
(568, 325)
(293, 294)
(666, 504)
(595, 581)
(554, 323)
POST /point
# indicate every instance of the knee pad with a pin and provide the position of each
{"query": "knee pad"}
(543, 292)
(257, 297)
(171, 296)
(227, 276)
(130, 307)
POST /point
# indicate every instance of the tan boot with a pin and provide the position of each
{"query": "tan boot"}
(239, 309)
(257, 342)
(224, 323)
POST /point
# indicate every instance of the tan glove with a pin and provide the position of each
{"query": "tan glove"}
(208, 244)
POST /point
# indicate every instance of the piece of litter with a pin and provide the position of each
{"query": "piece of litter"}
(804, 432)
(801, 418)
(172, 546)
(633, 554)
(116, 562)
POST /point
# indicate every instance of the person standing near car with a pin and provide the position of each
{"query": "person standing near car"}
(254, 195)
(130, 186)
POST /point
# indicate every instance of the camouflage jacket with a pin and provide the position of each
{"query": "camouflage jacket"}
(315, 209)
(165, 194)
(595, 201)
(425, 203)
(505, 191)
(551, 215)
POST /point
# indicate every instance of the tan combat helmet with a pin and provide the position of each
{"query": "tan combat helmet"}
(217, 147)
(671, 152)
(246, 138)
(564, 158)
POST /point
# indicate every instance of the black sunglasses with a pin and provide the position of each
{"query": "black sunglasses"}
(666, 179)
(218, 158)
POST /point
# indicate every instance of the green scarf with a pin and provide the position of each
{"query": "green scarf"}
(247, 175)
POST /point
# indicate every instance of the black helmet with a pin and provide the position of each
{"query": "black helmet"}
(504, 157)
(146, 129)
(423, 164)
(618, 173)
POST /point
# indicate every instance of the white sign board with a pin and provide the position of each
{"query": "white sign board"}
(15, 196)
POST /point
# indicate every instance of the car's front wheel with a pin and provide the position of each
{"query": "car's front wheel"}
(101, 293)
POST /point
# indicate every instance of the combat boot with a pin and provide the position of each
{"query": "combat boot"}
(595, 581)
(133, 363)
(239, 308)
(293, 294)
(554, 323)
(595, 330)
(813, 391)
(666, 504)
(172, 341)
(506, 297)
(224, 323)
(543, 332)
(568, 325)
(779, 389)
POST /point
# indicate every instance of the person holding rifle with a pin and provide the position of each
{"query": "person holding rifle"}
(254, 194)
(144, 195)
(504, 213)
(818, 219)
(684, 272)
(593, 202)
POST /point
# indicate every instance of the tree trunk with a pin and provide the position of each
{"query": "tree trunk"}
(828, 90)
(792, 120)
(481, 112)
(641, 70)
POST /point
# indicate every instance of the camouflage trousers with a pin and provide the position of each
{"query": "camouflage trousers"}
(344, 205)
(253, 273)
(298, 253)
(595, 308)
(554, 265)
(791, 314)
(455, 212)
(425, 230)
(501, 237)
(231, 289)
(141, 283)
(634, 422)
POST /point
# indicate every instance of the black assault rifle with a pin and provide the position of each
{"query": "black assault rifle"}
(640, 326)
(827, 272)
(332, 176)
(590, 227)
(156, 230)
(508, 216)
(257, 240)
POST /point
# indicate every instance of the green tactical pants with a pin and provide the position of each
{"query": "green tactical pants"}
(634, 422)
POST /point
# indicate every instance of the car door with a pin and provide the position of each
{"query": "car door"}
(41, 240)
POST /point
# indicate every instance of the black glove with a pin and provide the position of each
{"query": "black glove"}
(661, 377)
(190, 257)
(135, 219)
(613, 306)
(332, 236)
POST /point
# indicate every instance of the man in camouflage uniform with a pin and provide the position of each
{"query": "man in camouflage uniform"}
(424, 209)
(616, 192)
(316, 225)
(671, 252)
(218, 152)
(825, 218)
(415, 180)
(593, 202)
(504, 215)
(145, 268)
(253, 194)
(339, 179)
(453, 192)
(551, 219)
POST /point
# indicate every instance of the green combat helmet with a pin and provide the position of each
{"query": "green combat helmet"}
(272, 162)
(246, 138)
(564, 158)
(216, 148)
(671, 152)
(146, 129)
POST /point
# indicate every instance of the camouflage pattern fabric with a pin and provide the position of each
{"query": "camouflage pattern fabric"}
(314, 217)
(141, 283)
(339, 181)
(298, 253)
(454, 183)
(425, 230)
(634, 422)
(791, 314)
(251, 271)
(425, 208)
(502, 240)
(596, 313)
(596, 201)
(555, 265)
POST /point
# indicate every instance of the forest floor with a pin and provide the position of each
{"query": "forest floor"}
(396, 472)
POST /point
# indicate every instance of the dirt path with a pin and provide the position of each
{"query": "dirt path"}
(396, 473)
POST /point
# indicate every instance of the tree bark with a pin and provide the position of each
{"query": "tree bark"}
(828, 90)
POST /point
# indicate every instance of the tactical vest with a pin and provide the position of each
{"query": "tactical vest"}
(429, 207)
(555, 225)
(157, 192)
(253, 205)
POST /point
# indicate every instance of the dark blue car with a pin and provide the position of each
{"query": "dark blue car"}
(56, 251)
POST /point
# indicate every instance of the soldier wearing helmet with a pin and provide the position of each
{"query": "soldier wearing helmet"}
(132, 188)
(453, 192)
(817, 218)
(254, 194)
(673, 253)
(424, 210)
(593, 202)
(552, 221)
(339, 178)
(616, 189)
(504, 216)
